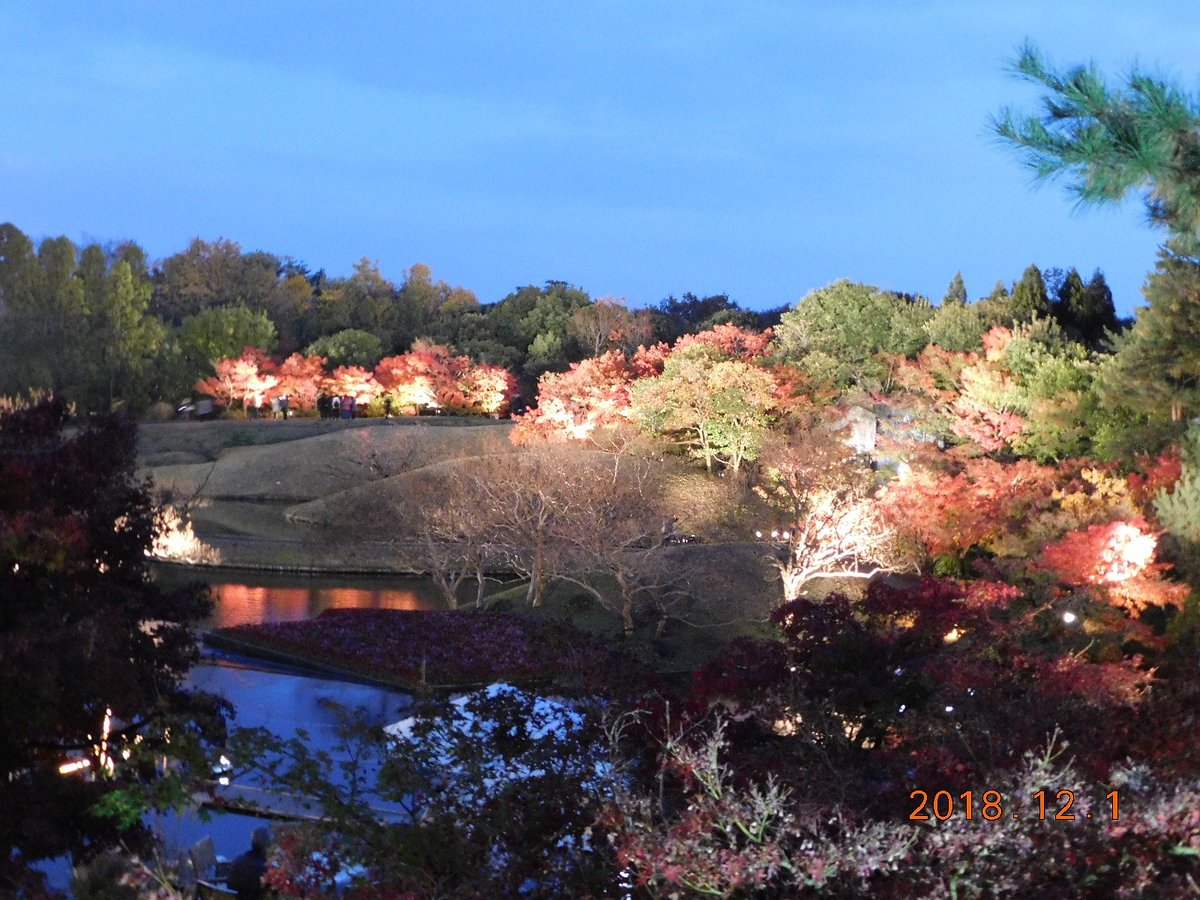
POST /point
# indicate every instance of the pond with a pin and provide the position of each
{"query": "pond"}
(245, 598)
(270, 697)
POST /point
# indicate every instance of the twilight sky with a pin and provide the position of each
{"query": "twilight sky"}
(635, 149)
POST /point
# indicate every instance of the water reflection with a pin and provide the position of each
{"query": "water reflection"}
(240, 604)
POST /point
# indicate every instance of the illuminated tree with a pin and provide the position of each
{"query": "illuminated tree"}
(488, 389)
(718, 410)
(409, 379)
(1118, 557)
(352, 381)
(948, 514)
(244, 379)
(299, 379)
(831, 523)
(729, 340)
(431, 376)
(591, 394)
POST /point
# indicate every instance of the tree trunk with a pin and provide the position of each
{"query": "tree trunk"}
(537, 588)
(480, 587)
(627, 616)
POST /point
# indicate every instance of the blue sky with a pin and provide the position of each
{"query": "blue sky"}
(636, 149)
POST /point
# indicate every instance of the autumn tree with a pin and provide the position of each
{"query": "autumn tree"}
(1117, 557)
(590, 395)
(716, 409)
(299, 379)
(730, 340)
(244, 379)
(603, 322)
(352, 381)
(831, 524)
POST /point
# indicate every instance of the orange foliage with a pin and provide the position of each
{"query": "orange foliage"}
(430, 376)
(573, 404)
(1118, 557)
(246, 378)
(949, 514)
(351, 381)
(300, 380)
(732, 340)
(1153, 473)
(649, 362)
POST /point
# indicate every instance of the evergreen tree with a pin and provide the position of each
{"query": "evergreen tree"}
(126, 336)
(1095, 315)
(1029, 297)
(1156, 372)
(956, 292)
(1109, 142)
(1067, 296)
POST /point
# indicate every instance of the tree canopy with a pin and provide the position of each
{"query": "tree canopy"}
(83, 630)
(1110, 141)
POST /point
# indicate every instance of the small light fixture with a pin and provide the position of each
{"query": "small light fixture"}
(1069, 617)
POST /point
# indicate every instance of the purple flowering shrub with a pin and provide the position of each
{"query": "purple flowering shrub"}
(436, 648)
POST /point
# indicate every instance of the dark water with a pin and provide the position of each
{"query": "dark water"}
(280, 701)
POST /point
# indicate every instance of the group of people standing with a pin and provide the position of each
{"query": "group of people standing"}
(336, 407)
(279, 408)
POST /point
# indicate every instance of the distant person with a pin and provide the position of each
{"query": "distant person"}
(335, 408)
(274, 407)
(387, 407)
(283, 406)
(246, 872)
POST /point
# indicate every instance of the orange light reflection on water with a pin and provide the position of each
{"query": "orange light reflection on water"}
(241, 604)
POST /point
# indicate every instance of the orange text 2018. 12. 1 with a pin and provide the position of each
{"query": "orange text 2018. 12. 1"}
(992, 805)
